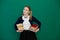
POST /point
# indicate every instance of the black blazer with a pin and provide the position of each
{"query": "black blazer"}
(31, 21)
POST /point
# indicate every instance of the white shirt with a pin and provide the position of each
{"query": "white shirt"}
(26, 23)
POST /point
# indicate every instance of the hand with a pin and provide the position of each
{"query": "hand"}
(36, 30)
(19, 30)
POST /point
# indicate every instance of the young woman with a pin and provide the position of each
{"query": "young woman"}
(27, 19)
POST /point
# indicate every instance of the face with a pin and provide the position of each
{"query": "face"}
(26, 11)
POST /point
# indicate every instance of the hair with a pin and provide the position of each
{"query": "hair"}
(30, 13)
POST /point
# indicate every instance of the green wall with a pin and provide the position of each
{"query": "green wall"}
(46, 11)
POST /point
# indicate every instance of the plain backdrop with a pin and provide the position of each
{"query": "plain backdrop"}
(46, 11)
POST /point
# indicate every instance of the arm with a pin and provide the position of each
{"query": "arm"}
(37, 21)
(17, 22)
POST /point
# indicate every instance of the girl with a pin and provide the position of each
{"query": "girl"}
(27, 19)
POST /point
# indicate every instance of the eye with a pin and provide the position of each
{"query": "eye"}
(26, 9)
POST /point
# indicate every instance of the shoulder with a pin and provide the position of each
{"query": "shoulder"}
(20, 16)
(33, 17)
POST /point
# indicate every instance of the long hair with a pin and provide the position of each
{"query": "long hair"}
(30, 13)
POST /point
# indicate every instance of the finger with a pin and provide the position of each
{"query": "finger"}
(21, 30)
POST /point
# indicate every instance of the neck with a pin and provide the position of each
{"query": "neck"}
(25, 15)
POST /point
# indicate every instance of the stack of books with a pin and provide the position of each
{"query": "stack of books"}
(33, 27)
(20, 26)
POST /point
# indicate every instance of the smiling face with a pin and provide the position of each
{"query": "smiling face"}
(26, 11)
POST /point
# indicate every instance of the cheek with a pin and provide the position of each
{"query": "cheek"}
(25, 11)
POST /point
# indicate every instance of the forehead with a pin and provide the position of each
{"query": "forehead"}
(26, 8)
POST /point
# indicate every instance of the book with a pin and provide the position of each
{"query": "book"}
(33, 27)
(20, 26)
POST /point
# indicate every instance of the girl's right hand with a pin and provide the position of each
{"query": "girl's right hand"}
(19, 30)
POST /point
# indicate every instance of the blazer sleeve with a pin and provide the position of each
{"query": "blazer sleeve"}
(17, 22)
(37, 21)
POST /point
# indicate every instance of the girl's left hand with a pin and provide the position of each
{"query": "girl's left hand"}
(36, 30)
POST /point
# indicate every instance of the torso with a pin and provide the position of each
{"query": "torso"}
(26, 23)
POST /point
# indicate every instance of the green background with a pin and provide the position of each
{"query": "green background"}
(46, 11)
